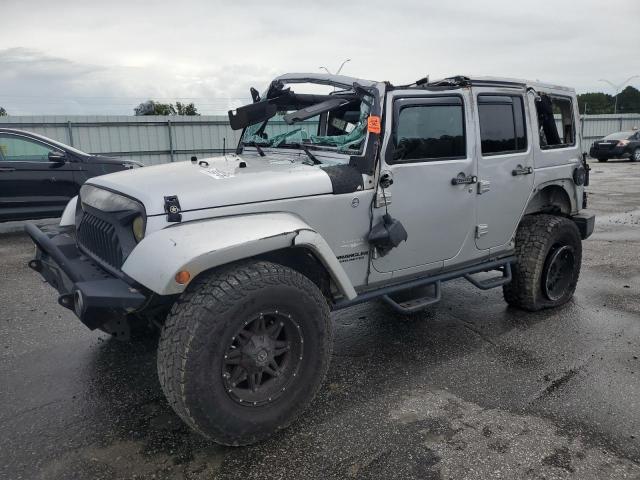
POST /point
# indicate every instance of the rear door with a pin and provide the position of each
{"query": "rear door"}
(505, 165)
(32, 186)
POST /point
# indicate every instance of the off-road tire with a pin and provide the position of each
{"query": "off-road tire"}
(204, 320)
(603, 159)
(537, 238)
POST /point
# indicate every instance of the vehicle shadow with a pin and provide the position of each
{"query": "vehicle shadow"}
(377, 353)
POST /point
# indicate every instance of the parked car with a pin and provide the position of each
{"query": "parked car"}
(330, 200)
(38, 175)
(617, 145)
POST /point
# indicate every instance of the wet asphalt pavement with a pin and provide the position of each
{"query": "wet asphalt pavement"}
(468, 389)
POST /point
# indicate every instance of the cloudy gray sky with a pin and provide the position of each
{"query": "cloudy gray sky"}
(104, 57)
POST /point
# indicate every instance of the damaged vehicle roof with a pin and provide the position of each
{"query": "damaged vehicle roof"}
(325, 79)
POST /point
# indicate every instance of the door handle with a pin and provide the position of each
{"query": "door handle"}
(7, 169)
(463, 179)
(520, 170)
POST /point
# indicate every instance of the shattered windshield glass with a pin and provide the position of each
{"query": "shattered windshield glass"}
(335, 121)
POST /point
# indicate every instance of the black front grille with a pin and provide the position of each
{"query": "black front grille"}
(100, 238)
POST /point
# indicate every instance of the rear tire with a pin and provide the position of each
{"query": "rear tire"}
(635, 156)
(244, 351)
(549, 252)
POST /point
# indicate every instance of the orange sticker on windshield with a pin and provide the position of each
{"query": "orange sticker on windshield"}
(373, 124)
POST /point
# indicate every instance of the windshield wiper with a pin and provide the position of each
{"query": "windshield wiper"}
(257, 147)
(305, 149)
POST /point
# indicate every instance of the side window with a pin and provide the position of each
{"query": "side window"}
(502, 124)
(429, 132)
(20, 149)
(555, 121)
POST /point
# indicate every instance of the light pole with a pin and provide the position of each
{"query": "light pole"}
(342, 65)
(339, 69)
(618, 88)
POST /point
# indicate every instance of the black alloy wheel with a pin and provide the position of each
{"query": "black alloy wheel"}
(263, 358)
(558, 272)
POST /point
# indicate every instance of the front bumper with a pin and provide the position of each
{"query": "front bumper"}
(96, 296)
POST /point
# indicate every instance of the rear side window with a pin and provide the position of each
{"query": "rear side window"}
(555, 121)
(429, 132)
(502, 127)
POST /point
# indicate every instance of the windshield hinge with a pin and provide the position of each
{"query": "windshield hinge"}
(172, 207)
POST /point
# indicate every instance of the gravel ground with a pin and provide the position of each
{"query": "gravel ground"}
(469, 389)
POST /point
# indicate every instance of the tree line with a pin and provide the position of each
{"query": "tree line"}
(151, 107)
(599, 103)
(593, 103)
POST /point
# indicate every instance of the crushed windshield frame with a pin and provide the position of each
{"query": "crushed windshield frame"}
(351, 141)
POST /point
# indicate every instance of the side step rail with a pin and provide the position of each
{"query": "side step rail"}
(491, 282)
(503, 264)
(415, 304)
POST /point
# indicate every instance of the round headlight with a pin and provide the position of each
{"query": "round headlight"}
(138, 228)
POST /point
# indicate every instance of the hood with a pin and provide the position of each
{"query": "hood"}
(218, 181)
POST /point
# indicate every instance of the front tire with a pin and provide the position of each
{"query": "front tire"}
(244, 351)
(549, 252)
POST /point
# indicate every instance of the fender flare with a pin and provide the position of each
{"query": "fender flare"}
(538, 196)
(200, 245)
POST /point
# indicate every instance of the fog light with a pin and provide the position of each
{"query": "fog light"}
(183, 277)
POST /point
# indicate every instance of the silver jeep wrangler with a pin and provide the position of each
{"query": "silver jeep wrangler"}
(341, 190)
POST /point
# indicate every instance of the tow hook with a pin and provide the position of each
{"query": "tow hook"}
(35, 265)
(66, 301)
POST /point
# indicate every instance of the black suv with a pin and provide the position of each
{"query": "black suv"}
(617, 145)
(38, 176)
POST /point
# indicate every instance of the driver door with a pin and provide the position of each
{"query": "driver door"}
(430, 158)
(32, 186)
